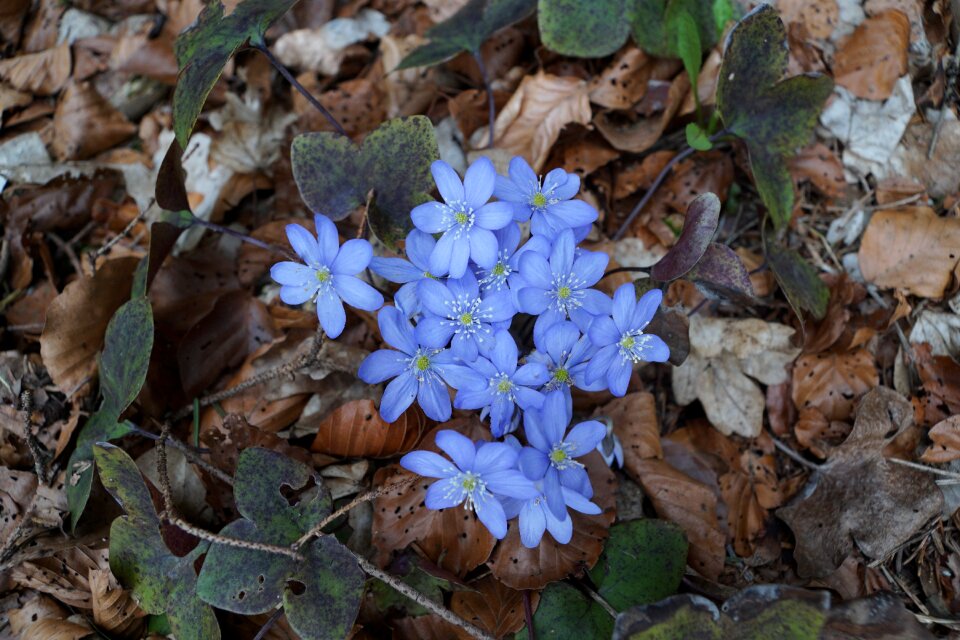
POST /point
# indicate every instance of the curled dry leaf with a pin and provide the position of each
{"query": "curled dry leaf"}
(454, 539)
(77, 320)
(42, 74)
(63, 574)
(832, 382)
(624, 82)
(492, 606)
(940, 376)
(814, 432)
(85, 123)
(532, 119)
(114, 609)
(726, 355)
(521, 568)
(912, 249)
(946, 442)
(634, 418)
(857, 488)
(41, 618)
(356, 430)
(873, 58)
(641, 133)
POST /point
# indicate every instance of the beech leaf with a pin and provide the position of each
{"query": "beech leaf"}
(356, 430)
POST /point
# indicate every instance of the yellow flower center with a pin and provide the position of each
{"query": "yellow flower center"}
(561, 375)
(628, 342)
(563, 293)
(323, 274)
(469, 482)
(539, 200)
(466, 319)
(499, 269)
(557, 456)
(422, 363)
(461, 217)
(504, 386)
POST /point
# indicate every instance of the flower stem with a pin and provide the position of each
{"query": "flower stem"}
(491, 107)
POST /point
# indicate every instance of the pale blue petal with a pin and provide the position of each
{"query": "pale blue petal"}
(585, 437)
(597, 302)
(293, 274)
(428, 464)
(448, 182)
(331, 314)
(618, 376)
(444, 494)
(396, 330)
(459, 256)
(624, 302)
(491, 514)
(553, 493)
(478, 182)
(431, 217)
(654, 349)
(546, 321)
(533, 463)
(533, 300)
(646, 309)
(533, 429)
(419, 246)
(600, 363)
(561, 256)
(483, 248)
(577, 502)
(407, 300)
(353, 258)
(465, 347)
(560, 529)
(305, 245)
(328, 240)
(357, 293)
(494, 215)
(501, 414)
(297, 294)
(493, 457)
(442, 254)
(604, 332)
(382, 365)
(434, 399)
(573, 213)
(576, 478)
(532, 374)
(504, 356)
(511, 483)
(500, 306)
(459, 447)
(590, 266)
(398, 396)
(473, 398)
(536, 270)
(555, 417)
(460, 377)
(523, 176)
(435, 297)
(532, 524)
(564, 189)
(395, 269)
(559, 340)
(504, 189)
(433, 332)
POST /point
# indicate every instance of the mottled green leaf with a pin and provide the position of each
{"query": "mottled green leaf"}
(699, 225)
(205, 47)
(386, 597)
(584, 29)
(101, 427)
(656, 24)
(161, 582)
(320, 595)
(773, 116)
(799, 281)
(335, 176)
(566, 614)
(467, 29)
(642, 562)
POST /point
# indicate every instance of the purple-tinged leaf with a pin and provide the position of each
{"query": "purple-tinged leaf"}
(721, 273)
(703, 214)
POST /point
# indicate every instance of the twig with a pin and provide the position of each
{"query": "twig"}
(117, 238)
(65, 247)
(203, 534)
(528, 615)
(36, 449)
(793, 455)
(10, 545)
(270, 374)
(189, 452)
(366, 497)
(408, 591)
(600, 601)
(165, 491)
(241, 236)
(925, 468)
(683, 155)
(491, 107)
(625, 269)
(272, 620)
(262, 48)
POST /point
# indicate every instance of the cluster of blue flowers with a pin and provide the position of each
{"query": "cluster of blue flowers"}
(465, 277)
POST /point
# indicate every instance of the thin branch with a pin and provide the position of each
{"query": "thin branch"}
(117, 238)
(163, 475)
(241, 236)
(262, 48)
(600, 601)
(425, 602)
(491, 107)
(203, 534)
(191, 453)
(683, 155)
(793, 455)
(925, 468)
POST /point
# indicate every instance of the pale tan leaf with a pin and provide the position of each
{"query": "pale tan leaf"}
(114, 609)
(946, 441)
(85, 123)
(43, 73)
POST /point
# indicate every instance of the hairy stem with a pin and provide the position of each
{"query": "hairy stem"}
(491, 107)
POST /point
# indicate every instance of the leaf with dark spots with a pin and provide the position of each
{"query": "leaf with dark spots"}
(773, 116)
(721, 273)
(564, 612)
(583, 29)
(673, 327)
(657, 23)
(204, 48)
(699, 225)
(804, 290)
(162, 583)
(321, 594)
(467, 29)
(334, 175)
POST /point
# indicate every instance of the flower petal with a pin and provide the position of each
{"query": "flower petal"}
(494, 215)
(577, 502)
(331, 314)
(357, 293)
(585, 437)
(618, 376)
(305, 245)
(555, 417)
(459, 447)
(527, 398)
(573, 213)
(532, 374)
(395, 269)
(646, 309)
(554, 494)
(460, 377)
(295, 295)
(353, 258)
(448, 182)
(396, 330)
(483, 248)
(478, 182)
(603, 332)
(560, 529)
(465, 347)
(382, 365)
(533, 300)
(533, 429)
(444, 494)
(419, 246)
(328, 240)
(429, 464)
(501, 415)
(624, 302)
(398, 396)
(431, 217)
(558, 341)
(599, 363)
(293, 274)
(504, 356)
(442, 254)
(435, 297)
(491, 514)
(533, 463)
(493, 457)
(433, 332)
(536, 270)
(505, 189)
(561, 256)
(511, 483)
(459, 255)
(499, 305)
(434, 399)
(590, 266)
(532, 524)
(654, 349)
(562, 188)
(523, 175)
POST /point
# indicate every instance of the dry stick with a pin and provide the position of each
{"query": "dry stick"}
(262, 48)
(491, 107)
(65, 247)
(268, 624)
(117, 238)
(923, 467)
(366, 497)
(793, 455)
(422, 600)
(241, 236)
(600, 601)
(36, 449)
(270, 374)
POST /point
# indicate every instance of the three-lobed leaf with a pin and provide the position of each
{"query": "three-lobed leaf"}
(335, 176)
(205, 47)
(162, 583)
(584, 29)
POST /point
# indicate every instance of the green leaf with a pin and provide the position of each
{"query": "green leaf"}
(656, 24)
(687, 38)
(773, 116)
(642, 562)
(335, 176)
(386, 597)
(123, 370)
(584, 29)
(467, 29)
(723, 11)
(697, 137)
(204, 48)
(321, 595)
(566, 614)
(161, 582)
(799, 281)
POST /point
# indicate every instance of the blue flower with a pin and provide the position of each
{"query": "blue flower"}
(621, 340)
(535, 516)
(548, 206)
(565, 353)
(506, 385)
(560, 288)
(418, 372)
(475, 478)
(465, 218)
(552, 455)
(328, 275)
(419, 246)
(456, 310)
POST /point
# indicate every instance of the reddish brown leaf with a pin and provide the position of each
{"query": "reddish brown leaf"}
(833, 382)
(521, 568)
(873, 58)
(356, 430)
(634, 418)
(454, 539)
(946, 442)
(814, 432)
(85, 124)
(492, 606)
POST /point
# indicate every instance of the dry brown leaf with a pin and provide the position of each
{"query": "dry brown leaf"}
(532, 119)
(634, 418)
(912, 249)
(11, 98)
(938, 174)
(640, 134)
(583, 154)
(821, 167)
(77, 320)
(946, 442)
(940, 376)
(521, 568)
(814, 432)
(63, 575)
(42, 74)
(356, 430)
(833, 382)
(16, 490)
(819, 17)
(85, 124)
(762, 280)
(454, 539)
(857, 488)
(11, 20)
(874, 57)
(624, 82)
(492, 606)
(357, 104)
(41, 618)
(114, 609)
(408, 91)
